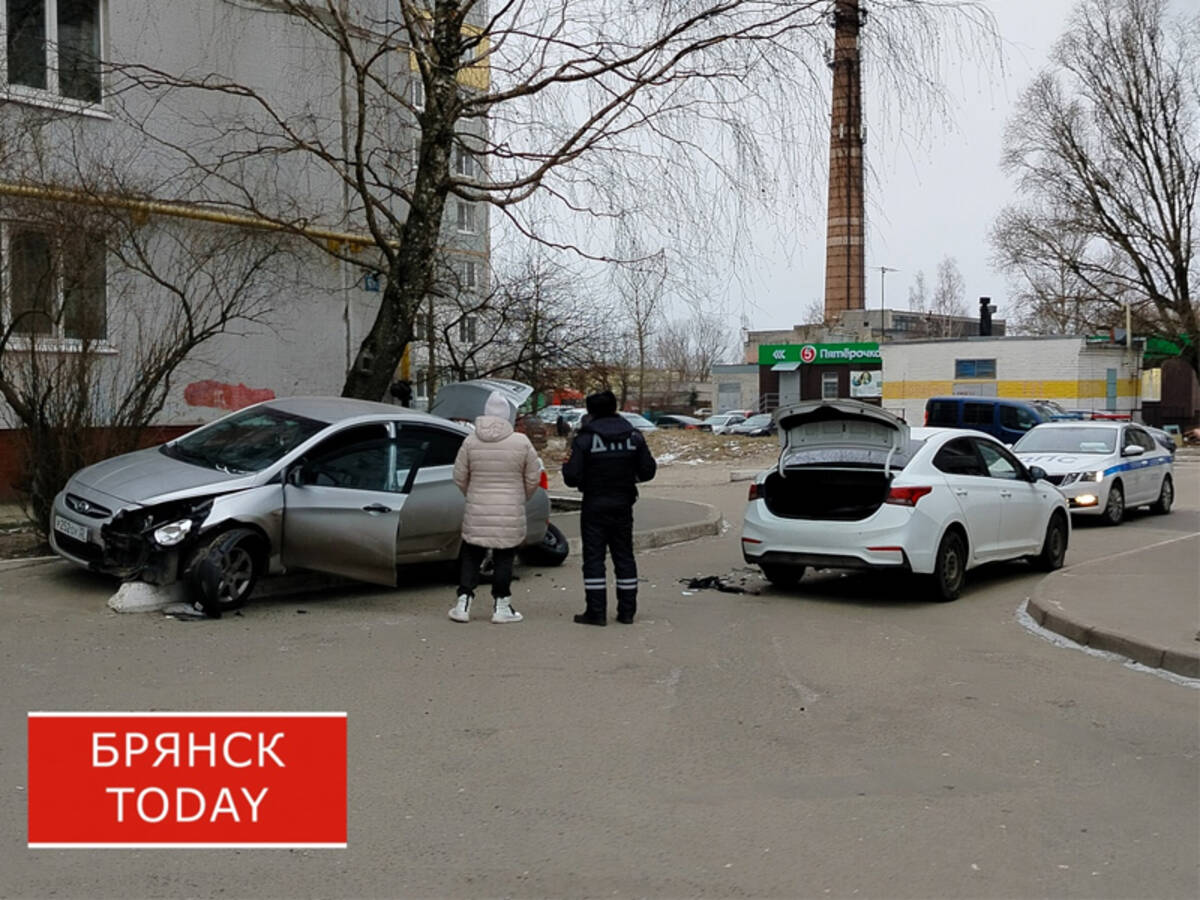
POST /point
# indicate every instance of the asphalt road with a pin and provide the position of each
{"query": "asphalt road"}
(851, 739)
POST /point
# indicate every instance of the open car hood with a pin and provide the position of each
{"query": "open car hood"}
(465, 399)
(848, 425)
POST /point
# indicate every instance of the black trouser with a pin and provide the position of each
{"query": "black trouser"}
(472, 558)
(611, 529)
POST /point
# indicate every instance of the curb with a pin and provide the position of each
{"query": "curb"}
(745, 474)
(670, 534)
(1184, 663)
(7, 565)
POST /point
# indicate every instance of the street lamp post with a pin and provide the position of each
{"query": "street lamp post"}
(883, 270)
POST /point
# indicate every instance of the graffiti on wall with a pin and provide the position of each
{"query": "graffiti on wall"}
(224, 396)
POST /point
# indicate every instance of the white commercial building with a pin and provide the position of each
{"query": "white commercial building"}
(1076, 372)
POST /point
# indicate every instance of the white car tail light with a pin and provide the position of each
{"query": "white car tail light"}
(907, 496)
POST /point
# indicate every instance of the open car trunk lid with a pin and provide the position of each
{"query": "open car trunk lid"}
(861, 430)
(837, 460)
(465, 399)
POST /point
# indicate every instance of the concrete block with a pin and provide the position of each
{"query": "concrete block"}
(137, 596)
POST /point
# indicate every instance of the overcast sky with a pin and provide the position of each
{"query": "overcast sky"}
(929, 196)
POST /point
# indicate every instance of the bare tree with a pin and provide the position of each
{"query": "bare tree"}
(591, 108)
(689, 346)
(814, 314)
(1106, 149)
(1051, 299)
(535, 325)
(949, 298)
(947, 303)
(918, 293)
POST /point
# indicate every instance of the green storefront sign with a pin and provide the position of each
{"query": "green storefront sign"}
(818, 354)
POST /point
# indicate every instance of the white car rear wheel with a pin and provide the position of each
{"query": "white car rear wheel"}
(950, 567)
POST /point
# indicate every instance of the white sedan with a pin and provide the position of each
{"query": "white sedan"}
(720, 424)
(1103, 468)
(856, 488)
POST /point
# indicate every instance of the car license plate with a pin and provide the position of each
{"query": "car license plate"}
(71, 529)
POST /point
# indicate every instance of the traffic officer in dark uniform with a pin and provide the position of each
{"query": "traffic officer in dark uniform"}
(607, 459)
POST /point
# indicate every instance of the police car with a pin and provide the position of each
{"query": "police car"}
(1103, 468)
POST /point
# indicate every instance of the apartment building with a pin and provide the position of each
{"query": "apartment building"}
(149, 150)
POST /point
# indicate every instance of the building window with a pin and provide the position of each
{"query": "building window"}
(54, 46)
(418, 94)
(54, 288)
(466, 217)
(464, 163)
(829, 385)
(466, 329)
(975, 368)
(468, 275)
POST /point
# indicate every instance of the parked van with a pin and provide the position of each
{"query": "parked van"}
(1006, 420)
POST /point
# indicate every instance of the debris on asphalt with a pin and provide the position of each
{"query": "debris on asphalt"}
(729, 584)
(185, 612)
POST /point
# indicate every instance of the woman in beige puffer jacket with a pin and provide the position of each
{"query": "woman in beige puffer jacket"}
(498, 470)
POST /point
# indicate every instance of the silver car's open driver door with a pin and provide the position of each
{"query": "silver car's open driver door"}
(341, 531)
(342, 506)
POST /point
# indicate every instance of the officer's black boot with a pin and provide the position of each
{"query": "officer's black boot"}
(626, 606)
(597, 608)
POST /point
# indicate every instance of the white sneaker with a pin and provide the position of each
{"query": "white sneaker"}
(462, 609)
(504, 613)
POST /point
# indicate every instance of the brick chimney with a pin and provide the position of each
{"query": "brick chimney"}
(845, 276)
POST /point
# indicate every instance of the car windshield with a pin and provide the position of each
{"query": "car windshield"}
(1068, 440)
(636, 420)
(758, 420)
(716, 420)
(244, 442)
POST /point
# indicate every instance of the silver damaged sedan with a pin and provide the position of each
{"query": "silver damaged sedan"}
(346, 487)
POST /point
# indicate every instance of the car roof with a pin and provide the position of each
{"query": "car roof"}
(1082, 423)
(923, 433)
(336, 409)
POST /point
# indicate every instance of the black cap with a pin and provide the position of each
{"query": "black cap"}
(602, 403)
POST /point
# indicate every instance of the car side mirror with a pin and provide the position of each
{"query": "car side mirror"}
(299, 474)
(1036, 474)
(1133, 450)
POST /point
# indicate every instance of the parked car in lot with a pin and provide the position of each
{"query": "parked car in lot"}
(334, 485)
(721, 423)
(676, 420)
(758, 425)
(856, 488)
(1103, 468)
(1005, 420)
(638, 421)
(573, 417)
(550, 414)
(1163, 438)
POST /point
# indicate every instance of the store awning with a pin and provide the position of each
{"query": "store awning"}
(785, 367)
